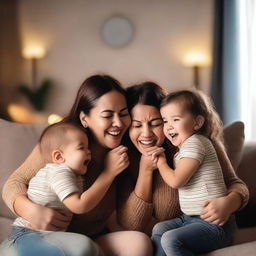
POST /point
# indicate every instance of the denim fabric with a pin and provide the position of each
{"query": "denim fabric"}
(27, 242)
(190, 235)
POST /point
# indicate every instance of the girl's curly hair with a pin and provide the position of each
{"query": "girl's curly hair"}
(199, 103)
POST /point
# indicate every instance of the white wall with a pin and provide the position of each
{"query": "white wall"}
(70, 30)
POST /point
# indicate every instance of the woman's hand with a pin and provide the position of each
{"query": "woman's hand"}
(148, 161)
(157, 155)
(217, 210)
(146, 164)
(41, 217)
(48, 219)
(143, 188)
(116, 160)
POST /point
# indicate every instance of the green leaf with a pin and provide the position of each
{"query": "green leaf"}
(37, 97)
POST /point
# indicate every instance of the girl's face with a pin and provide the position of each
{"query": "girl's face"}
(76, 154)
(179, 123)
(108, 120)
(146, 129)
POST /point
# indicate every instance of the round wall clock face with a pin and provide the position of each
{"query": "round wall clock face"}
(117, 31)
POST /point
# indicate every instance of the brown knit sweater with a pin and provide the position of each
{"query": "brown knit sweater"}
(133, 213)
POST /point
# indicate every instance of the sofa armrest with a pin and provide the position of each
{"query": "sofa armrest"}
(247, 172)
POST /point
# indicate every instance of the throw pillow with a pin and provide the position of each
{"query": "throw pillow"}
(234, 141)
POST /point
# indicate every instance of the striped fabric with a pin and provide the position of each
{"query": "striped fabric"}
(207, 182)
(51, 185)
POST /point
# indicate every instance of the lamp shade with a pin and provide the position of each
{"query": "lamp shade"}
(196, 58)
(33, 52)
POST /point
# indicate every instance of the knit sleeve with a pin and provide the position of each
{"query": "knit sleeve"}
(233, 183)
(133, 213)
(16, 185)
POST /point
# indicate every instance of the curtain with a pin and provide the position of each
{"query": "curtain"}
(10, 53)
(247, 21)
(225, 71)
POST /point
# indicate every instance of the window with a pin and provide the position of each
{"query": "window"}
(247, 56)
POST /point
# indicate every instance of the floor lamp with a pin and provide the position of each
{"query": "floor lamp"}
(196, 60)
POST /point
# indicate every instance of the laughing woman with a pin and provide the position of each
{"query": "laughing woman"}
(147, 199)
(100, 107)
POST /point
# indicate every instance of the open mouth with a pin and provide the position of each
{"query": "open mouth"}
(114, 133)
(173, 134)
(147, 142)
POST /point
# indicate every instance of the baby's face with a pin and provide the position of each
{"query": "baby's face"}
(76, 152)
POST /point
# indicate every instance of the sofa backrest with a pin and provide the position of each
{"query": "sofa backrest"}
(247, 169)
(234, 142)
(16, 142)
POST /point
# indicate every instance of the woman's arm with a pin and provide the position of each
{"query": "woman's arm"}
(147, 165)
(143, 187)
(17, 183)
(134, 209)
(233, 183)
(218, 210)
(15, 196)
(40, 217)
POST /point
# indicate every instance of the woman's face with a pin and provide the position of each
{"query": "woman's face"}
(108, 120)
(146, 129)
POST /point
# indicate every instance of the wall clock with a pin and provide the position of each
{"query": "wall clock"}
(117, 31)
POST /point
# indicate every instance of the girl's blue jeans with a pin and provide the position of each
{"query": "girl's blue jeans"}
(27, 242)
(190, 235)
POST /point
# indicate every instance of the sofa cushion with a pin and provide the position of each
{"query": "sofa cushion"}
(234, 141)
(246, 249)
(17, 141)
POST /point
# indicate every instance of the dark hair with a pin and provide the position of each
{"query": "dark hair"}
(147, 93)
(197, 103)
(151, 94)
(89, 92)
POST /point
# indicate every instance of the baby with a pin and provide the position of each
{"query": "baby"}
(59, 183)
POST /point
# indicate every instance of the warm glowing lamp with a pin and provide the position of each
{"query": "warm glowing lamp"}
(21, 114)
(33, 53)
(18, 113)
(196, 59)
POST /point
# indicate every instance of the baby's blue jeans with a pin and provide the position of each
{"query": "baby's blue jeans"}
(190, 235)
(27, 242)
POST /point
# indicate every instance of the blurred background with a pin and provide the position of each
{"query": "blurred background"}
(49, 47)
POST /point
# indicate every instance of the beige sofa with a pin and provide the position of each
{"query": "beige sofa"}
(17, 140)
